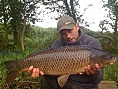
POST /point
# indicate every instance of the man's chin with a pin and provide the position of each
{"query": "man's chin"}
(70, 42)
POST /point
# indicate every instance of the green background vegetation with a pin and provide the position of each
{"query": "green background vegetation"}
(40, 39)
(18, 38)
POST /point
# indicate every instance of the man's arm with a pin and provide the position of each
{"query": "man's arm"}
(94, 76)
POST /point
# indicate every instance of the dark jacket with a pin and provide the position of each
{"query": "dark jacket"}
(85, 81)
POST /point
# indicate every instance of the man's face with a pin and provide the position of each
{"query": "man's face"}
(70, 35)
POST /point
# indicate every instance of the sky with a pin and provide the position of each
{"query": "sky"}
(93, 15)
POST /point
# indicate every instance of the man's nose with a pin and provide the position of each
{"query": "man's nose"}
(68, 35)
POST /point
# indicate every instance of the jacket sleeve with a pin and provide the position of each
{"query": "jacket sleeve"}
(97, 77)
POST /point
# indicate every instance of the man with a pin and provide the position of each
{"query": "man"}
(71, 34)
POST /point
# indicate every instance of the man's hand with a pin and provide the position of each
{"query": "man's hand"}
(90, 71)
(35, 72)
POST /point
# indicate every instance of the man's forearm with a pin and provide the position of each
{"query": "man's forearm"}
(96, 78)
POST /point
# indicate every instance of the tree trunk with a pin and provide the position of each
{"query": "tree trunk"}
(67, 8)
(73, 10)
(16, 35)
(116, 27)
(5, 18)
(22, 35)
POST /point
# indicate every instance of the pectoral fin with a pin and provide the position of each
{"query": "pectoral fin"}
(62, 80)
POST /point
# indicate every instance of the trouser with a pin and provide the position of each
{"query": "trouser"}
(50, 82)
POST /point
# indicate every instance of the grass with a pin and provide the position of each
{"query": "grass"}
(111, 72)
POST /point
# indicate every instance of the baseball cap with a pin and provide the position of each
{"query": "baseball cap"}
(65, 22)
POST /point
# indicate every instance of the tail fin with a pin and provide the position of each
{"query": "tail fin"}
(10, 64)
(13, 72)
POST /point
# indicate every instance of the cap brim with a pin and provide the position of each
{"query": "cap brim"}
(69, 26)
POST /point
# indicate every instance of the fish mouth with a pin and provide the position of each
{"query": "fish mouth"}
(114, 59)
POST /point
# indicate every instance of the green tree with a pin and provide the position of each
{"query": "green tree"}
(112, 23)
(65, 7)
(14, 15)
(112, 7)
(18, 13)
(4, 17)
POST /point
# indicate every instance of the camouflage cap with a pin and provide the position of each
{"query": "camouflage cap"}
(65, 22)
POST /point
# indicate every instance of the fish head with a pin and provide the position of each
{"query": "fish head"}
(103, 58)
(108, 59)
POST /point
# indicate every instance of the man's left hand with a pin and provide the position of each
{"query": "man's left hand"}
(90, 71)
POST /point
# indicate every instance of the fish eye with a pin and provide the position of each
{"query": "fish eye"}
(106, 56)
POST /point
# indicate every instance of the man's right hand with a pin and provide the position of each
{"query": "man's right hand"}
(35, 72)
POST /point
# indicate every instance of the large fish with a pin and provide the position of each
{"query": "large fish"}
(62, 61)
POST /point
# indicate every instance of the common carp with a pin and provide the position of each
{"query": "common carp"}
(62, 61)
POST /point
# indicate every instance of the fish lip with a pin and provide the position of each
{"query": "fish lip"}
(111, 63)
(114, 59)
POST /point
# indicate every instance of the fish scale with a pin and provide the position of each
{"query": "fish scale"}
(62, 61)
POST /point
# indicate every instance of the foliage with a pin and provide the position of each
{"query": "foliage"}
(36, 39)
(64, 7)
(107, 40)
(14, 14)
(111, 72)
(40, 38)
(110, 40)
